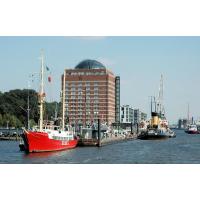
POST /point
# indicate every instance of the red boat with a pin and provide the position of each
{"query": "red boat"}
(192, 129)
(49, 140)
(47, 136)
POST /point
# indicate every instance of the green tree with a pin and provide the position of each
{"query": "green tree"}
(1, 120)
(13, 108)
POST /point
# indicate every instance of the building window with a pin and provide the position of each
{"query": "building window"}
(87, 84)
(87, 88)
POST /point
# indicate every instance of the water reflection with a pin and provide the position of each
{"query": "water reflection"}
(40, 155)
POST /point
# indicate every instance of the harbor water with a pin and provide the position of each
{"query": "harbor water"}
(184, 149)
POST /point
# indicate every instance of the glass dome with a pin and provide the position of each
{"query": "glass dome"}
(90, 64)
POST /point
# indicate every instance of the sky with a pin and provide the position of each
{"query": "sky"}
(139, 61)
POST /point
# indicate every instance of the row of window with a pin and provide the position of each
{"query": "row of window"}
(89, 114)
(80, 93)
(82, 89)
(80, 84)
(60, 138)
(85, 73)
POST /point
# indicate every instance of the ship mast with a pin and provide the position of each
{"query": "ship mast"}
(160, 98)
(56, 111)
(63, 103)
(28, 108)
(188, 114)
(41, 93)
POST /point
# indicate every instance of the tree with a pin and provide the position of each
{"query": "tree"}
(1, 120)
(13, 108)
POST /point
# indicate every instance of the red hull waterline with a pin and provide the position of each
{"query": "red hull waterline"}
(192, 132)
(39, 142)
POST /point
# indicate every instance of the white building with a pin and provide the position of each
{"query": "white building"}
(126, 114)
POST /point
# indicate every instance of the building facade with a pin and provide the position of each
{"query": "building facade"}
(117, 99)
(90, 93)
(139, 116)
(182, 123)
(126, 114)
(143, 116)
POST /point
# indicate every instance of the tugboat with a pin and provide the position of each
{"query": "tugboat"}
(47, 136)
(158, 126)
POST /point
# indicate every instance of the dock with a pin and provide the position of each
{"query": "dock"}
(87, 142)
(113, 140)
(10, 138)
(105, 141)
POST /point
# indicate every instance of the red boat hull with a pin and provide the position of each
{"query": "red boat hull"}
(192, 132)
(40, 142)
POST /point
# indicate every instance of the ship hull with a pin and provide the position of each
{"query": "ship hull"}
(156, 135)
(40, 142)
(192, 132)
(153, 137)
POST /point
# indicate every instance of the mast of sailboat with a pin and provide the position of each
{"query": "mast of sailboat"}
(63, 103)
(41, 93)
(28, 107)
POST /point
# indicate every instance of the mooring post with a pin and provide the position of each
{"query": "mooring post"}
(137, 128)
(99, 133)
(131, 128)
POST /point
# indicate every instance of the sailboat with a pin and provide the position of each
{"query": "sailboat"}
(158, 126)
(47, 136)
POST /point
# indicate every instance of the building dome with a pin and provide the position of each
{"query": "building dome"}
(90, 64)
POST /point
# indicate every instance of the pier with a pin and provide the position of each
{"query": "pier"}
(96, 142)
(11, 138)
(105, 141)
(113, 140)
(101, 136)
(10, 134)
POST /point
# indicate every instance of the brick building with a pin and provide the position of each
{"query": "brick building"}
(90, 93)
